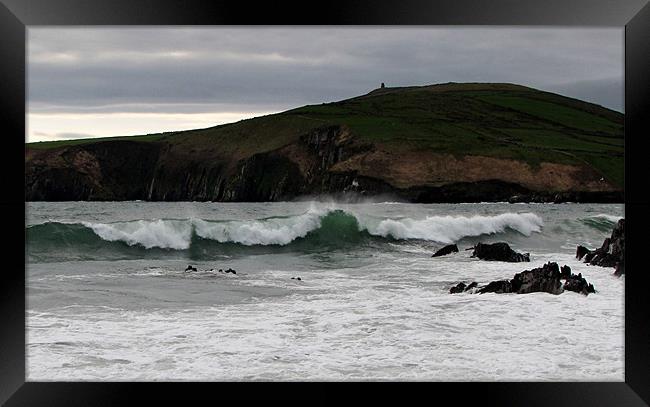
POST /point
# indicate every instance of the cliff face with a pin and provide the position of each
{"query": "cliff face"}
(99, 171)
(440, 143)
(327, 160)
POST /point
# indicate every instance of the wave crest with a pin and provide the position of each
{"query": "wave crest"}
(326, 226)
(449, 229)
(274, 231)
(165, 234)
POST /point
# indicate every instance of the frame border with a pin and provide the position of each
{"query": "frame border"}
(634, 15)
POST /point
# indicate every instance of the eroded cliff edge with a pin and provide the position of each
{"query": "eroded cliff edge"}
(442, 143)
(327, 160)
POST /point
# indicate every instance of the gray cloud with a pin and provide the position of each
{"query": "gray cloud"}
(608, 92)
(191, 70)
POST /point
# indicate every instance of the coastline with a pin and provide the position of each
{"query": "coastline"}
(420, 196)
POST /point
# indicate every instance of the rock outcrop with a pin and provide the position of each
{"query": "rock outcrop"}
(610, 254)
(547, 278)
(452, 248)
(578, 284)
(498, 252)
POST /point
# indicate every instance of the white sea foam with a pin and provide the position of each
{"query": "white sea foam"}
(279, 231)
(167, 234)
(448, 229)
(375, 326)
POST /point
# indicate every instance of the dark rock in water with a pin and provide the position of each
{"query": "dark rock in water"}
(541, 279)
(498, 252)
(578, 284)
(581, 251)
(565, 271)
(499, 287)
(231, 271)
(220, 270)
(452, 248)
(545, 279)
(296, 278)
(602, 256)
(190, 268)
(617, 240)
(610, 254)
(620, 268)
(459, 288)
(462, 287)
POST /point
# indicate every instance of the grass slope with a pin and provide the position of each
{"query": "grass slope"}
(496, 120)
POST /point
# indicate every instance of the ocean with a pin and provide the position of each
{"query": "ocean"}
(108, 297)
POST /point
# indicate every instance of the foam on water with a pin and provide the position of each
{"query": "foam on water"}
(333, 327)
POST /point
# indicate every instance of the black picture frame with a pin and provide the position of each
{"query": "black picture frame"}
(634, 15)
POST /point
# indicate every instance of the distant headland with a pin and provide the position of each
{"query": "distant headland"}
(452, 142)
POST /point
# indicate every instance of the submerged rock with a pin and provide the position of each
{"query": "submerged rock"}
(610, 254)
(498, 252)
(452, 248)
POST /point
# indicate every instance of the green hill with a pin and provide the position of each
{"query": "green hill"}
(406, 138)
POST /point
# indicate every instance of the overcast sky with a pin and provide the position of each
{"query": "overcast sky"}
(87, 82)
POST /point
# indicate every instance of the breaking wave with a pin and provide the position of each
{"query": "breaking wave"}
(317, 227)
(449, 229)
